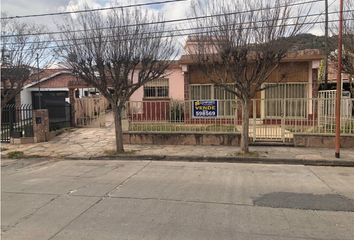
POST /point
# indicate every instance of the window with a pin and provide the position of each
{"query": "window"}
(293, 95)
(208, 91)
(201, 92)
(156, 89)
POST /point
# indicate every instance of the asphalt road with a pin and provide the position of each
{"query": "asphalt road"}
(102, 200)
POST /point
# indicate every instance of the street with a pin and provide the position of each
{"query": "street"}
(107, 199)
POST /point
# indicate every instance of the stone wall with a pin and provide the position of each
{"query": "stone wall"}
(325, 141)
(41, 125)
(227, 139)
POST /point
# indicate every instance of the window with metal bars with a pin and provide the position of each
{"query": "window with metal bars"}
(158, 88)
(286, 99)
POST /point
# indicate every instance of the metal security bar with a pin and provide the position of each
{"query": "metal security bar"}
(16, 122)
(158, 88)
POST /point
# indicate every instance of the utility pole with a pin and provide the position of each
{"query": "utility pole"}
(326, 46)
(39, 85)
(339, 80)
(2, 56)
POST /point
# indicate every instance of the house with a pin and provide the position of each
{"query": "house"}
(156, 99)
(50, 89)
(347, 83)
(53, 86)
(295, 78)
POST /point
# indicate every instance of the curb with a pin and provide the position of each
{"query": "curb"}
(259, 160)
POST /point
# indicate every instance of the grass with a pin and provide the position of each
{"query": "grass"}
(242, 154)
(21, 155)
(111, 152)
(15, 155)
(171, 127)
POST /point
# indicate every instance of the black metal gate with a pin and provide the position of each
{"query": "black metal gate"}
(16, 122)
(59, 116)
(59, 112)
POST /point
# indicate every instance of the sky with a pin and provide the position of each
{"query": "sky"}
(170, 11)
(25, 7)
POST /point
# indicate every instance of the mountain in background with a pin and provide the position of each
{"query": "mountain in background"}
(309, 41)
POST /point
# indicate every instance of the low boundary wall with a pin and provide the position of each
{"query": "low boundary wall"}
(320, 140)
(227, 139)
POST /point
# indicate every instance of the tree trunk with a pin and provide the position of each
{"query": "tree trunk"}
(245, 126)
(118, 128)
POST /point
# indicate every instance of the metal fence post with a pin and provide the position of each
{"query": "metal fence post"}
(254, 119)
(283, 121)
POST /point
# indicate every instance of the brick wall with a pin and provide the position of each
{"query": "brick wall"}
(60, 81)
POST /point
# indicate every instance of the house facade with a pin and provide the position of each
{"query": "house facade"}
(295, 78)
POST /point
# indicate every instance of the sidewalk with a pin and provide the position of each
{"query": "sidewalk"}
(98, 143)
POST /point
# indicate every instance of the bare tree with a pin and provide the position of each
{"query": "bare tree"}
(117, 53)
(19, 51)
(244, 48)
(348, 42)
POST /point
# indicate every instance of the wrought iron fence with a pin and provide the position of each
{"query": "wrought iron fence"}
(59, 116)
(16, 121)
(270, 119)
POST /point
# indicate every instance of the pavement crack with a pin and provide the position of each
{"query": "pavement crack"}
(24, 218)
(108, 194)
(83, 212)
(323, 181)
(185, 201)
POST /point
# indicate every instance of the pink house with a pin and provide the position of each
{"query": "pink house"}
(168, 88)
(154, 100)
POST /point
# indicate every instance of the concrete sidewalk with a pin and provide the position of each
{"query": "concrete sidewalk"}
(98, 143)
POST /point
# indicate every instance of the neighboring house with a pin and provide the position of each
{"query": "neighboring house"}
(168, 88)
(155, 99)
(332, 80)
(53, 85)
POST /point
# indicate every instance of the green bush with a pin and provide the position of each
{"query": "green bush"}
(177, 112)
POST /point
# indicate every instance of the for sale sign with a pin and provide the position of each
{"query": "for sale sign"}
(205, 108)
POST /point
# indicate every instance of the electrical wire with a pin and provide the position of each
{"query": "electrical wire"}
(172, 20)
(93, 10)
(178, 35)
(186, 29)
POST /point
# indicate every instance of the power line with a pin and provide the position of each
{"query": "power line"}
(172, 20)
(184, 34)
(93, 10)
(187, 29)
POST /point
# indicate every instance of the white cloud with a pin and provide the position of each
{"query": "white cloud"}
(170, 11)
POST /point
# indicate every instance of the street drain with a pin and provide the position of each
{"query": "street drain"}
(306, 201)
